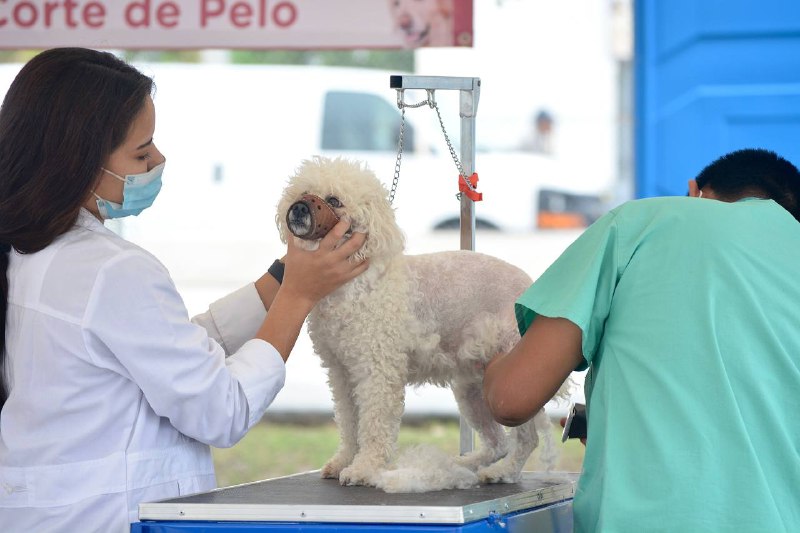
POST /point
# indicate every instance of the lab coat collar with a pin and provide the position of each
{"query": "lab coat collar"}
(87, 220)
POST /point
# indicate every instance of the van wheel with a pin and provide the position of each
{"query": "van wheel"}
(455, 223)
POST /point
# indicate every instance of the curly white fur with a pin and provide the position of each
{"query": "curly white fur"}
(434, 318)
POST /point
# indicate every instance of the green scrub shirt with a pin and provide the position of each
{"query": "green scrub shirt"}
(690, 314)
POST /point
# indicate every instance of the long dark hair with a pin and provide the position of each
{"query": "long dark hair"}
(754, 172)
(67, 110)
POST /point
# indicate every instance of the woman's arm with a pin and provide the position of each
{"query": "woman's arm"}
(267, 287)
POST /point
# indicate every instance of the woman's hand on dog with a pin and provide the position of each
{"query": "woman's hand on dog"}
(312, 275)
(309, 276)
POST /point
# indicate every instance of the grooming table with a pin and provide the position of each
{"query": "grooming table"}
(305, 503)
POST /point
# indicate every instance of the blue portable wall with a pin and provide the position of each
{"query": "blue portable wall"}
(712, 76)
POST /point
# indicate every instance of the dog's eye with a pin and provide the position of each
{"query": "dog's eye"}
(333, 201)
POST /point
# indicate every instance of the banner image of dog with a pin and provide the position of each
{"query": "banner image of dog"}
(424, 22)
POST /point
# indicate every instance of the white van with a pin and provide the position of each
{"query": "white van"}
(240, 131)
(233, 134)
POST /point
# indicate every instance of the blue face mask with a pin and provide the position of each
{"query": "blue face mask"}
(138, 193)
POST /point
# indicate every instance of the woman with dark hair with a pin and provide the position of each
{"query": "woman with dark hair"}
(685, 311)
(110, 395)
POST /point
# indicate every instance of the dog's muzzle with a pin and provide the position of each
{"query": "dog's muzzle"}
(311, 217)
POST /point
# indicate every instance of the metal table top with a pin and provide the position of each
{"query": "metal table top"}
(306, 497)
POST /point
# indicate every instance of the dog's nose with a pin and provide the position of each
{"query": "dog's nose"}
(299, 209)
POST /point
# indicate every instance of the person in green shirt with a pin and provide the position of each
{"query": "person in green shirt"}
(686, 311)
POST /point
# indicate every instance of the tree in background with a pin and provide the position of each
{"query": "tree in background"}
(400, 60)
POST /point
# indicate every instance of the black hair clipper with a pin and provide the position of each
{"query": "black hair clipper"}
(575, 426)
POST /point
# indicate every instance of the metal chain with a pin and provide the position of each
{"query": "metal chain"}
(450, 146)
(402, 105)
(430, 102)
(399, 154)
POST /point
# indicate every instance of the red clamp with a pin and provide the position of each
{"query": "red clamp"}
(471, 193)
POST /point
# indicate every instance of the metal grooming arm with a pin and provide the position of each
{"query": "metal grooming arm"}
(469, 94)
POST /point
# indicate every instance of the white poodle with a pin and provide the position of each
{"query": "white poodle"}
(435, 318)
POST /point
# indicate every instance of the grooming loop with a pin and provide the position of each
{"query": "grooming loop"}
(469, 187)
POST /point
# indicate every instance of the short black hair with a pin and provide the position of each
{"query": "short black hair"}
(754, 172)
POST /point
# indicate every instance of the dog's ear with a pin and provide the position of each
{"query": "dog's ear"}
(376, 217)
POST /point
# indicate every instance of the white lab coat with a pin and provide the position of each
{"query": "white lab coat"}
(115, 394)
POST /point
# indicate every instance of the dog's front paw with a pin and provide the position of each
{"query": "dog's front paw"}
(360, 474)
(334, 467)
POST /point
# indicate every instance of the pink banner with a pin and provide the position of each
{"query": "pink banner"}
(249, 24)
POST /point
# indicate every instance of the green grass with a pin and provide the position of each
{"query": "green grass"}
(274, 449)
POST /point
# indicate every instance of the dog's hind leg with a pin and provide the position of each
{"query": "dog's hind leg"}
(344, 413)
(493, 439)
(524, 440)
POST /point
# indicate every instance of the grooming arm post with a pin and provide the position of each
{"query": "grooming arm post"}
(468, 107)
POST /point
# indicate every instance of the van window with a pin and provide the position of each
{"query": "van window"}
(362, 122)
